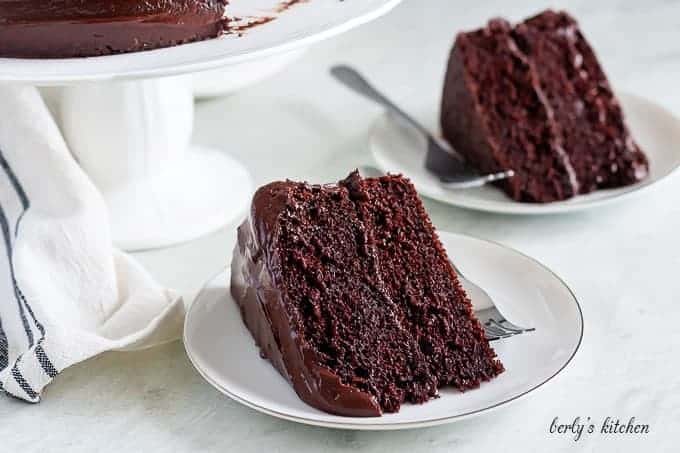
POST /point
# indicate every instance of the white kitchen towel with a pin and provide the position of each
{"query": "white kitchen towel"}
(66, 294)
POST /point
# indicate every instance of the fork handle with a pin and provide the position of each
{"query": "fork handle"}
(351, 78)
(479, 181)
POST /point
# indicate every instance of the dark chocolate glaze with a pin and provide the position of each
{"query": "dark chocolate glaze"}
(253, 268)
(73, 28)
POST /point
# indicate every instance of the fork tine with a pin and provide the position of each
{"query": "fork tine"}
(504, 326)
(498, 334)
(494, 330)
(493, 336)
(490, 335)
(512, 326)
(493, 314)
(495, 324)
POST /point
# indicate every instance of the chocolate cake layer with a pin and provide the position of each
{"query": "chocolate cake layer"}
(534, 99)
(493, 113)
(600, 147)
(348, 292)
(73, 28)
(417, 276)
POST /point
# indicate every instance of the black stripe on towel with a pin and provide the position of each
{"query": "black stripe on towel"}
(25, 204)
(44, 361)
(22, 382)
(4, 350)
(8, 248)
(38, 324)
(21, 193)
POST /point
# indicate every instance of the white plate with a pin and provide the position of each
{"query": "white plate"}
(396, 149)
(299, 26)
(223, 351)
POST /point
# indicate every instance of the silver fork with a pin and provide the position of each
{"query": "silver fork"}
(496, 327)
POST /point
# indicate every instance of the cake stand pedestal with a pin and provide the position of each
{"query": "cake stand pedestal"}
(133, 140)
(128, 118)
(220, 82)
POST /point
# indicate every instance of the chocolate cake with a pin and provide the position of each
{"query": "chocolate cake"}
(348, 292)
(76, 28)
(533, 98)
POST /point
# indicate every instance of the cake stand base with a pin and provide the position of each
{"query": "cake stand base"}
(198, 194)
(132, 138)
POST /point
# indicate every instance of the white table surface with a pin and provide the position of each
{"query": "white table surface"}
(621, 261)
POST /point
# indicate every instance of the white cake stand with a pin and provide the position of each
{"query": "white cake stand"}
(128, 118)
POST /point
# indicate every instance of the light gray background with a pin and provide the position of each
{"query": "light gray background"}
(622, 261)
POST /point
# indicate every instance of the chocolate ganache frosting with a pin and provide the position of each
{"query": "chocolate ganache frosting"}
(263, 311)
(76, 28)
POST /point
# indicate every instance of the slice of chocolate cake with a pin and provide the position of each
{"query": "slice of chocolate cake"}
(349, 293)
(534, 99)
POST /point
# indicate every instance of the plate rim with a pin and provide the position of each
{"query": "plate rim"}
(397, 425)
(217, 61)
(512, 207)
